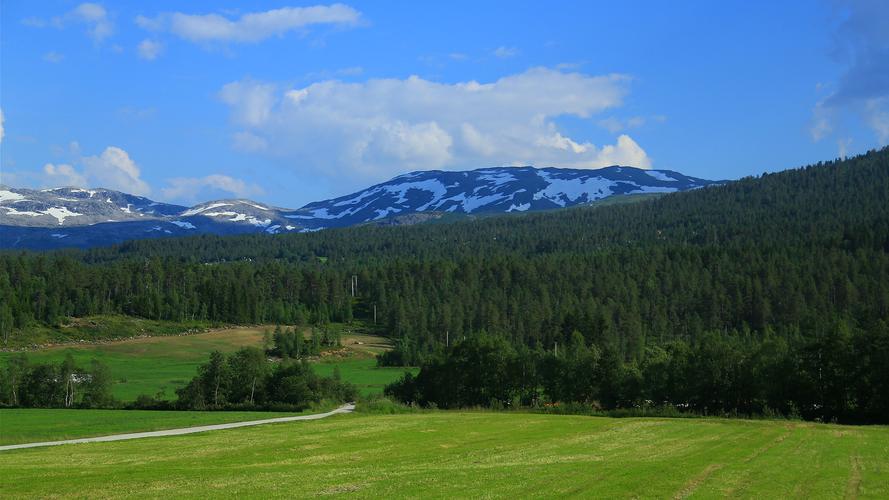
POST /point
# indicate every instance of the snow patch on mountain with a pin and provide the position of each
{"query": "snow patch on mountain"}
(198, 209)
(254, 205)
(10, 196)
(564, 192)
(183, 224)
(661, 176)
(61, 213)
(239, 217)
(12, 211)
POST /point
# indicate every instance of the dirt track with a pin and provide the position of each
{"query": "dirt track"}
(178, 432)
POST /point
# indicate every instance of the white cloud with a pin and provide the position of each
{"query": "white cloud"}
(248, 142)
(843, 147)
(383, 127)
(99, 26)
(63, 175)
(252, 27)
(53, 57)
(93, 15)
(192, 189)
(625, 152)
(149, 49)
(877, 117)
(861, 45)
(115, 169)
(821, 125)
(505, 52)
(251, 101)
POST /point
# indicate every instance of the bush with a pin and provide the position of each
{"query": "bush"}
(381, 405)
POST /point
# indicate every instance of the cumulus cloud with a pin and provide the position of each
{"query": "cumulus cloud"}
(113, 169)
(96, 18)
(251, 101)
(192, 189)
(149, 49)
(252, 27)
(248, 142)
(504, 52)
(843, 147)
(877, 116)
(99, 24)
(116, 170)
(63, 175)
(862, 46)
(383, 127)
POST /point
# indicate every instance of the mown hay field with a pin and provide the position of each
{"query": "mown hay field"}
(471, 454)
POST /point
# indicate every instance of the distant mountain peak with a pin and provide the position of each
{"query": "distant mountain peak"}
(494, 189)
(69, 216)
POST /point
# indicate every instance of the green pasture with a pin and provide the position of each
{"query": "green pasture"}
(28, 425)
(470, 454)
(364, 373)
(163, 364)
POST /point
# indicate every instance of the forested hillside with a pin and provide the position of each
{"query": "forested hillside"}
(799, 257)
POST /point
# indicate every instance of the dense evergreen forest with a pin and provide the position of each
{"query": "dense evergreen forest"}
(800, 258)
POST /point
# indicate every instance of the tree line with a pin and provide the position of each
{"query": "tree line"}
(840, 376)
(246, 380)
(291, 343)
(55, 385)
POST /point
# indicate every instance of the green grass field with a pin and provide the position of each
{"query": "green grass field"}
(28, 425)
(364, 373)
(153, 364)
(163, 364)
(474, 454)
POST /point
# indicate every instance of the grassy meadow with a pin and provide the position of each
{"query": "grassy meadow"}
(162, 364)
(447, 454)
(29, 425)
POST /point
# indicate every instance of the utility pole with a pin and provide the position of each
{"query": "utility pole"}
(375, 314)
(447, 338)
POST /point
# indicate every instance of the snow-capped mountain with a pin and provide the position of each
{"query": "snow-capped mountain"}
(76, 207)
(491, 190)
(241, 212)
(61, 217)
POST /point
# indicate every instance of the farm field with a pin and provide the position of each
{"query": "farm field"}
(364, 373)
(446, 454)
(162, 364)
(152, 364)
(28, 425)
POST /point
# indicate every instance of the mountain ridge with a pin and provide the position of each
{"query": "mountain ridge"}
(59, 217)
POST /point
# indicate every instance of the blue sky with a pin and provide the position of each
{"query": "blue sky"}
(291, 102)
